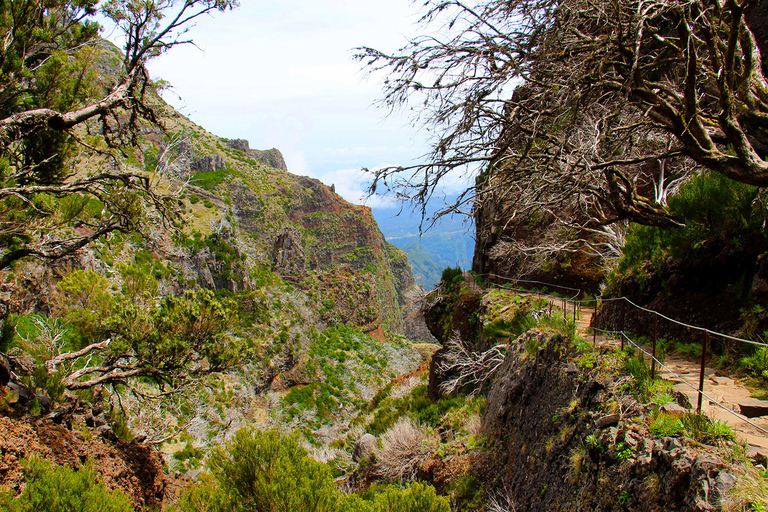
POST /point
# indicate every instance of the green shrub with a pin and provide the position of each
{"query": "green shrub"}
(756, 363)
(510, 328)
(451, 277)
(414, 498)
(194, 198)
(450, 273)
(211, 179)
(704, 429)
(417, 406)
(666, 425)
(61, 489)
(207, 203)
(718, 212)
(560, 325)
(268, 471)
(636, 366)
(151, 159)
(532, 345)
(190, 454)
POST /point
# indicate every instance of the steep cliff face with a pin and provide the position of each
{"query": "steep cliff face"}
(297, 227)
(541, 408)
(564, 427)
(532, 245)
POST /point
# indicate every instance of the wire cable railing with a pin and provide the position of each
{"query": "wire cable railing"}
(682, 380)
(579, 303)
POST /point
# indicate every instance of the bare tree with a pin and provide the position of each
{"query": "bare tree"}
(598, 109)
(464, 367)
(66, 117)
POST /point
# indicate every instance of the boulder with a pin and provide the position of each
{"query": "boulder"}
(673, 408)
(605, 421)
(753, 408)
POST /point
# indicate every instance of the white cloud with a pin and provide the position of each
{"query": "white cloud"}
(364, 150)
(280, 74)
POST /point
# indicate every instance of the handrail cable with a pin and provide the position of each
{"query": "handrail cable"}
(665, 317)
(711, 399)
(622, 333)
(678, 322)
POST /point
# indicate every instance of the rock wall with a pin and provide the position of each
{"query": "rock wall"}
(135, 468)
(502, 231)
(540, 413)
(270, 157)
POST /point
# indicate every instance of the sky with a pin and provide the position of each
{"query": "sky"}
(281, 74)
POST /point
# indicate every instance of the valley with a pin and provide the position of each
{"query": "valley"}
(566, 309)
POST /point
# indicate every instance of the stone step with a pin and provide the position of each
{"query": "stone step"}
(753, 408)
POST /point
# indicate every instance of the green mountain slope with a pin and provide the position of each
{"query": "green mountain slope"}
(448, 243)
(426, 271)
(313, 292)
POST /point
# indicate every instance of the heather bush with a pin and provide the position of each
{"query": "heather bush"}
(51, 488)
(404, 448)
(271, 472)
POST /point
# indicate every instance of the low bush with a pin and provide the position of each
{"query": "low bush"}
(271, 472)
(404, 448)
(666, 425)
(417, 406)
(756, 363)
(704, 429)
(51, 488)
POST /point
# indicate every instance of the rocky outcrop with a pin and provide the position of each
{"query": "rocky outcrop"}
(270, 157)
(539, 412)
(208, 163)
(135, 468)
(452, 311)
(415, 324)
(239, 145)
(288, 254)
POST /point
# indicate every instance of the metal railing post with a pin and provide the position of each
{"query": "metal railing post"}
(701, 375)
(594, 325)
(621, 327)
(623, 313)
(653, 352)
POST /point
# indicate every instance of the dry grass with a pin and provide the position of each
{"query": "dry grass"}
(473, 425)
(576, 464)
(404, 448)
(501, 501)
(749, 493)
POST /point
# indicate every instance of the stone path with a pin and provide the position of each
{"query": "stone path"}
(727, 391)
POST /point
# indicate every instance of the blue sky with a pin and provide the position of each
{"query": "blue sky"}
(281, 74)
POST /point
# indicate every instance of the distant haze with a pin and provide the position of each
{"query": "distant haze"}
(449, 243)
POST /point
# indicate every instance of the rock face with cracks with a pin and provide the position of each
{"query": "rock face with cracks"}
(135, 468)
(540, 411)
